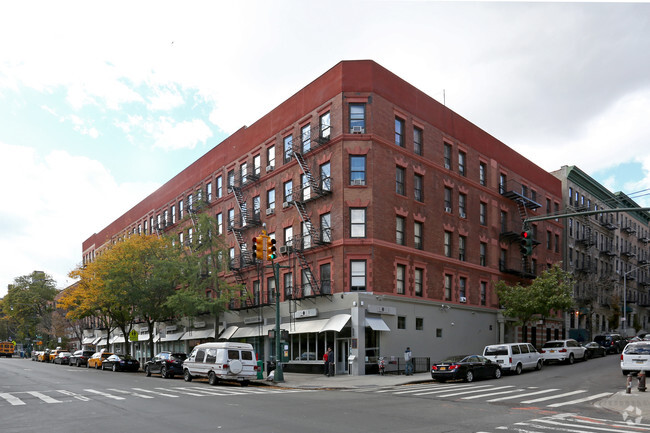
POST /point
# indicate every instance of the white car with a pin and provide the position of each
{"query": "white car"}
(635, 357)
(221, 361)
(514, 357)
(563, 351)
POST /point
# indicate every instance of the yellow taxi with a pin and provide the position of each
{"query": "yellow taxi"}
(44, 356)
(97, 359)
(53, 354)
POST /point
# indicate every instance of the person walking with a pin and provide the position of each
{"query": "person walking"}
(330, 362)
(408, 359)
(326, 366)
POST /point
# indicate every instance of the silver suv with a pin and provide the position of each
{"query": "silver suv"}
(563, 351)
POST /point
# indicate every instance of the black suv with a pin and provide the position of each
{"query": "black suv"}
(80, 357)
(166, 363)
(613, 343)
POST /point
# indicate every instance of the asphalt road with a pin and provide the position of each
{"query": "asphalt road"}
(36, 396)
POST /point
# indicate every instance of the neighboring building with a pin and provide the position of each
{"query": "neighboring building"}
(393, 216)
(606, 253)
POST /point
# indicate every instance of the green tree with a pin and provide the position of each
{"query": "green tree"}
(549, 293)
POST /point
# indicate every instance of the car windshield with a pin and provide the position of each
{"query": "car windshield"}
(637, 349)
(452, 359)
(496, 350)
(553, 344)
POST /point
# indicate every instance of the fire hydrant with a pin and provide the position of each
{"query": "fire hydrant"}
(628, 388)
(641, 377)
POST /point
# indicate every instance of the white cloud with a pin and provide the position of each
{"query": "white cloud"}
(170, 135)
(56, 201)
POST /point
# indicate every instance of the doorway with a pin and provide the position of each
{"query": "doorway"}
(341, 355)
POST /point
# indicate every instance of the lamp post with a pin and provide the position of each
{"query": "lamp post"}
(625, 296)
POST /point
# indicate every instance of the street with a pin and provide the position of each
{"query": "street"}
(71, 399)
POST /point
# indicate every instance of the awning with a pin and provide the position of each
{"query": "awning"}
(306, 326)
(227, 333)
(247, 331)
(198, 334)
(101, 342)
(172, 337)
(88, 340)
(377, 324)
(336, 323)
(96, 340)
(118, 339)
(143, 337)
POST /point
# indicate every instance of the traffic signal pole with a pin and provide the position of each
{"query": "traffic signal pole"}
(279, 374)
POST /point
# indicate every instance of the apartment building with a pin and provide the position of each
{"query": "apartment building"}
(393, 217)
(608, 254)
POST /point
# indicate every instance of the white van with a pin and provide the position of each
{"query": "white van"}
(514, 357)
(221, 361)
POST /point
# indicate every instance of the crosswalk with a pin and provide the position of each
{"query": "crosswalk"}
(508, 394)
(571, 422)
(23, 398)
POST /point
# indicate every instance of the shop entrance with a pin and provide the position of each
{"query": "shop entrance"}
(342, 352)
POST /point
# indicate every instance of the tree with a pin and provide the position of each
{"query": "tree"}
(549, 293)
(28, 304)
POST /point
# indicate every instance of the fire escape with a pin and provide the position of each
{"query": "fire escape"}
(518, 193)
(312, 188)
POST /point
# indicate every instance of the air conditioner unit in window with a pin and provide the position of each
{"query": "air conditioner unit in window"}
(285, 205)
(269, 211)
(358, 182)
(358, 130)
(462, 215)
(463, 299)
(270, 167)
(285, 249)
(448, 209)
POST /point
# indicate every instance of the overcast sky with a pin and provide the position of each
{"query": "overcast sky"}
(102, 103)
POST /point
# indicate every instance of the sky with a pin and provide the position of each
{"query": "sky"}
(103, 102)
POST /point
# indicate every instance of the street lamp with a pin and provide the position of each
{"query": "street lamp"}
(625, 296)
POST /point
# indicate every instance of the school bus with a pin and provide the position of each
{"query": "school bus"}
(6, 349)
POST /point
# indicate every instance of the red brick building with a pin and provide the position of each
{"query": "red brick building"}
(393, 214)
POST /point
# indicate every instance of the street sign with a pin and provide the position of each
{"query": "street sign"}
(133, 335)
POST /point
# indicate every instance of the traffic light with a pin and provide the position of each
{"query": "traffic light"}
(270, 248)
(527, 242)
(258, 242)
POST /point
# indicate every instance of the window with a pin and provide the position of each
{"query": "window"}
(448, 287)
(190, 232)
(219, 217)
(503, 181)
(418, 281)
(256, 207)
(305, 187)
(306, 236)
(504, 221)
(288, 285)
(324, 122)
(462, 286)
(325, 177)
(256, 292)
(288, 190)
(482, 173)
(231, 218)
(419, 323)
(173, 212)
(145, 227)
(400, 279)
(417, 188)
(557, 243)
(438, 332)
(219, 187)
(231, 180)
(482, 254)
(482, 214)
(357, 170)
(180, 212)
(447, 244)
(448, 202)
(358, 118)
(288, 235)
(401, 322)
(417, 235)
(549, 240)
(399, 132)
(305, 138)
(417, 140)
(288, 148)
(208, 192)
(400, 223)
(358, 223)
(325, 278)
(325, 228)
(270, 287)
(357, 275)
(447, 155)
(270, 198)
(270, 157)
(483, 292)
(462, 157)
(462, 241)
(257, 165)
(399, 180)
(462, 199)
(306, 282)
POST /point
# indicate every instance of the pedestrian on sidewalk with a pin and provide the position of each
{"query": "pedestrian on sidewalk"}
(330, 362)
(326, 366)
(408, 359)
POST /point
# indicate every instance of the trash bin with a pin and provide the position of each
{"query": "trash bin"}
(260, 369)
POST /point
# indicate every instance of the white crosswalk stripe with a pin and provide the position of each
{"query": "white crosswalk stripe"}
(581, 400)
(104, 394)
(155, 392)
(569, 422)
(45, 398)
(73, 394)
(14, 401)
(551, 397)
(135, 394)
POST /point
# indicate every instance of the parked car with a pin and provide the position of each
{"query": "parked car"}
(35, 354)
(62, 358)
(514, 357)
(465, 367)
(613, 343)
(96, 360)
(221, 361)
(80, 357)
(594, 349)
(635, 357)
(563, 351)
(53, 354)
(167, 364)
(119, 362)
(44, 356)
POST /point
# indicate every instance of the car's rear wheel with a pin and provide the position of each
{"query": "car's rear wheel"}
(163, 373)
(187, 376)
(147, 372)
(571, 360)
(539, 365)
(585, 356)
(469, 376)
(212, 378)
(497, 373)
(518, 369)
